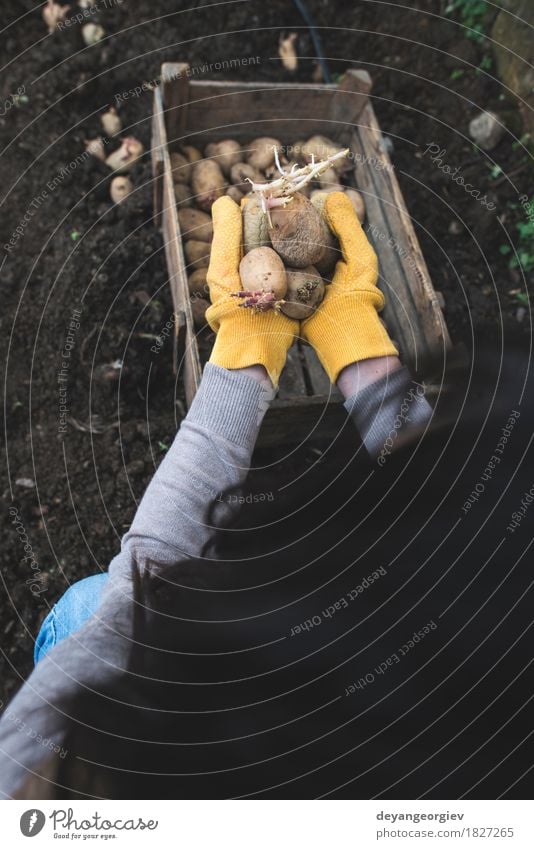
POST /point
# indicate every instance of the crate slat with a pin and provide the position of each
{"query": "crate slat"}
(289, 111)
(412, 313)
(292, 381)
(317, 376)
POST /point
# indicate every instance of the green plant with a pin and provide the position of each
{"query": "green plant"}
(526, 245)
(524, 255)
(471, 14)
(456, 74)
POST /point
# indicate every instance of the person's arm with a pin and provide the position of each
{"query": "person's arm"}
(384, 402)
(353, 344)
(211, 453)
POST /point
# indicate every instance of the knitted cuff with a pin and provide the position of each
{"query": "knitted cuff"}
(348, 334)
(230, 404)
(386, 408)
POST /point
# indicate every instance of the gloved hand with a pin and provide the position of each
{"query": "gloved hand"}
(244, 337)
(346, 328)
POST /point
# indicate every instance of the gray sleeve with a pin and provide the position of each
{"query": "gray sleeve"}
(386, 409)
(211, 453)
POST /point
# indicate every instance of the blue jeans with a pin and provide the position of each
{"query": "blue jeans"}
(68, 615)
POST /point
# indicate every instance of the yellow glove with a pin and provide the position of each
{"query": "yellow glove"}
(346, 327)
(244, 337)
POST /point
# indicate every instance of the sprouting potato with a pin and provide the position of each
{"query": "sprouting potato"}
(300, 234)
(262, 270)
(305, 291)
(255, 226)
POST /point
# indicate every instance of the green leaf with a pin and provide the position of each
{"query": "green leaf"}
(456, 74)
(505, 249)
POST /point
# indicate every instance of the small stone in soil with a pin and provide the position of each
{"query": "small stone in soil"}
(486, 130)
(27, 483)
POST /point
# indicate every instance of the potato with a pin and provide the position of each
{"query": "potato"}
(235, 193)
(198, 308)
(181, 168)
(262, 270)
(207, 183)
(300, 234)
(195, 224)
(197, 254)
(326, 262)
(329, 181)
(240, 171)
(226, 153)
(182, 194)
(192, 154)
(320, 147)
(261, 152)
(255, 226)
(272, 172)
(358, 203)
(306, 191)
(305, 291)
(197, 283)
(120, 188)
(297, 151)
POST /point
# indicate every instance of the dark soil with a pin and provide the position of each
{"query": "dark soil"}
(78, 252)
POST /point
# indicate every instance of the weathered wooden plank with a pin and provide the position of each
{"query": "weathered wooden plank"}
(412, 312)
(175, 95)
(350, 98)
(289, 111)
(158, 126)
(317, 376)
(172, 240)
(304, 418)
(292, 382)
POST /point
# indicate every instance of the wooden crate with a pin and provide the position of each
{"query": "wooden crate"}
(201, 111)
